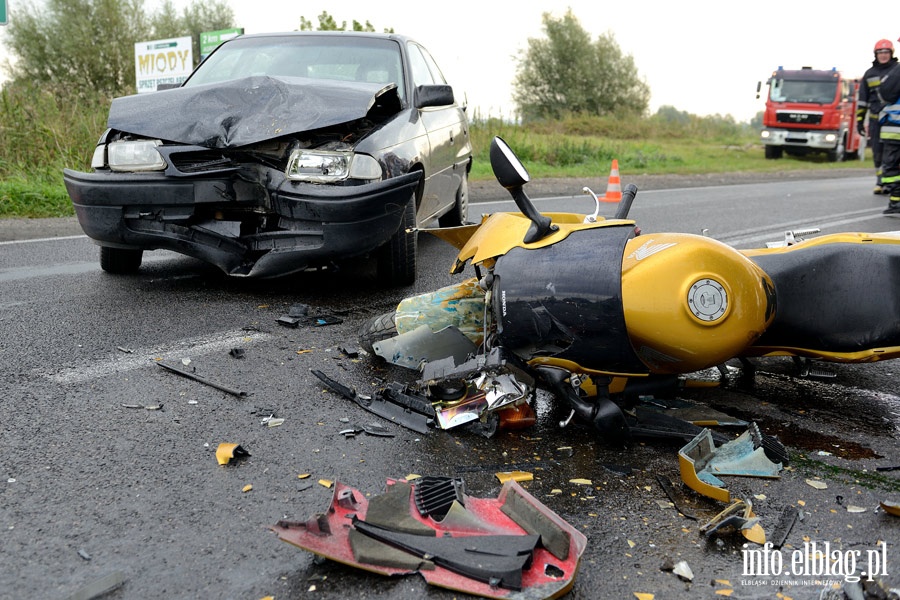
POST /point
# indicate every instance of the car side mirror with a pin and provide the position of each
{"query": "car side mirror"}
(434, 95)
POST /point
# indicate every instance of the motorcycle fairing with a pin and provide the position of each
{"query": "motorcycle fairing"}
(514, 512)
(501, 232)
(838, 299)
(569, 307)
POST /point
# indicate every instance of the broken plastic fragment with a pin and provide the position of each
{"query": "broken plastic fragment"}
(326, 483)
(247, 487)
(700, 461)
(892, 508)
(855, 509)
(515, 476)
(452, 555)
(819, 485)
(683, 570)
(581, 481)
(226, 451)
(739, 515)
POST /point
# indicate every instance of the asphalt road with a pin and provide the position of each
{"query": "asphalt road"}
(108, 467)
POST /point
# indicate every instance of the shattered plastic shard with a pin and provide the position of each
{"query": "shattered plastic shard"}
(700, 462)
(226, 451)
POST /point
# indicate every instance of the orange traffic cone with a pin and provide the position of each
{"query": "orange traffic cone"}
(614, 187)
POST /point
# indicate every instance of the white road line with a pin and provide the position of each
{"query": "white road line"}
(50, 239)
(145, 357)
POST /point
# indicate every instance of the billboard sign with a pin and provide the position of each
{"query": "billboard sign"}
(162, 62)
(210, 39)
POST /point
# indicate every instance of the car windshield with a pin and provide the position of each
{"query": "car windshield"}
(794, 90)
(363, 59)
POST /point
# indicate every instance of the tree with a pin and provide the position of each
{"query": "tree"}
(327, 23)
(68, 46)
(566, 73)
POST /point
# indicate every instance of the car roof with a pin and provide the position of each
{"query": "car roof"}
(366, 34)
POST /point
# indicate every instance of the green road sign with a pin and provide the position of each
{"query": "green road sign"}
(210, 39)
(2, 12)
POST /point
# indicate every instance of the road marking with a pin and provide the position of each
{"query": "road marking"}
(50, 239)
(145, 357)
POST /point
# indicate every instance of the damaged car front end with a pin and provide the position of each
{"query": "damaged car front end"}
(269, 174)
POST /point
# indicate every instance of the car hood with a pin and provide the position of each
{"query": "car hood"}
(245, 111)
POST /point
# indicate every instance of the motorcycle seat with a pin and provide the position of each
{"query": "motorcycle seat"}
(835, 297)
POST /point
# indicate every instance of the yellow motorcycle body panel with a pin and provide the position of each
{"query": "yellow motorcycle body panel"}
(501, 232)
(692, 302)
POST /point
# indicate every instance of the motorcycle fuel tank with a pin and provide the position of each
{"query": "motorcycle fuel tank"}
(692, 302)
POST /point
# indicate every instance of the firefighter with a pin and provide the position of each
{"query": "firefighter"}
(889, 122)
(869, 102)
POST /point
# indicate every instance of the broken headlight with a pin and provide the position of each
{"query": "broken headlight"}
(139, 155)
(321, 166)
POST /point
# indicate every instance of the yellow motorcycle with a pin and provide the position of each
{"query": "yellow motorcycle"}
(589, 308)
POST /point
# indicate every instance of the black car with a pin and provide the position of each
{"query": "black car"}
(282, 152)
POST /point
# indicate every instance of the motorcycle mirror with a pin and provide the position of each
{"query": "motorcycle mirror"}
(508, 170)
(512, 175)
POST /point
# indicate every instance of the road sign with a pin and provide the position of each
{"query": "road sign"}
(2, 12)
(210, 39)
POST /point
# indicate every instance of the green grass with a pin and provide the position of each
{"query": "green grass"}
(42, 133)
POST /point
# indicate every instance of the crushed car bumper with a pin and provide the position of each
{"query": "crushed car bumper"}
(261, 225)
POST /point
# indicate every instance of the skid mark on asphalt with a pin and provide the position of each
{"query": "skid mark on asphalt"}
(144, 357)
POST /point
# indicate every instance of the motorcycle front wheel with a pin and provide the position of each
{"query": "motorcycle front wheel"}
(376, 329)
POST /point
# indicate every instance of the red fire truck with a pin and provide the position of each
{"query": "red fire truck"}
(810, 111)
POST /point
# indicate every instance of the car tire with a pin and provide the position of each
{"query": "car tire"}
(773, 152)
(376, 329)
(397, 259)
(459, 214)
(120, 261)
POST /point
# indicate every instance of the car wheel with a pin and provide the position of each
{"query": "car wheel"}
(460, 211)
(376, 329)
(397, 258)
(120, 260)
(773, 152)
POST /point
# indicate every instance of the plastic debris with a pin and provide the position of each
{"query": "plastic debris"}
(700, 461)
(515, 476)
(203, 380)
(247, 488)
(784, 525)
(509, 547)
(892, 508)
(226, 451)
(855, 509)
(738, 515)
(581, 481)
(819, 485)
(100, 587)
(683, 570)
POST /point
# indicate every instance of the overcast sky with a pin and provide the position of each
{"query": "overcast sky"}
(700, 56)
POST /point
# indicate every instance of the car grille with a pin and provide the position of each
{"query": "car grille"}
(805, 118)
(200, 161)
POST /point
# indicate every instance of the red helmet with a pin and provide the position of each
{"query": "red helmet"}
(884, 45)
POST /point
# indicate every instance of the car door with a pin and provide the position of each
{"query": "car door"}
(447, 137)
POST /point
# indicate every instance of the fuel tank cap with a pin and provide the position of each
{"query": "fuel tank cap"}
(707, 300)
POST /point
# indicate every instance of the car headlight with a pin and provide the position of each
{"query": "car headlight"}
(140, 155)
(321, 166)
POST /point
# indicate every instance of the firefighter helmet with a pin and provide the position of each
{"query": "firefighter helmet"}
(884, 45)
